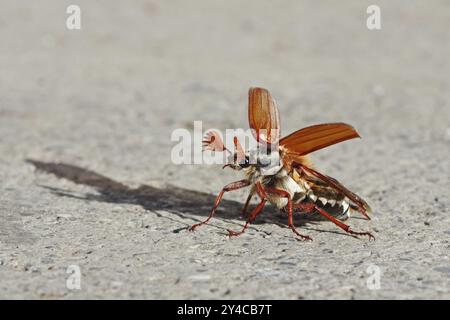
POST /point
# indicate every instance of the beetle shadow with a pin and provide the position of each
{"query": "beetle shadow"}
(170, 198)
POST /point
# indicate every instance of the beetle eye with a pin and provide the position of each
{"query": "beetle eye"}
(245, 163)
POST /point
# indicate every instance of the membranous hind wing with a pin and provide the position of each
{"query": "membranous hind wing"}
(319, 188)
(356, 201)
(295, 147)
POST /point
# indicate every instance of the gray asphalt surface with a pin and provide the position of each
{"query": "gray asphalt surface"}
(94, 109)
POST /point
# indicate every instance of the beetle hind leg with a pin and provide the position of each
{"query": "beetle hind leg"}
(310, 207)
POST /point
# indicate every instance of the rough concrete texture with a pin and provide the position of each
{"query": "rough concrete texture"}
(94, 109)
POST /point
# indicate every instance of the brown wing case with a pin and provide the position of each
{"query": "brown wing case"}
(309, 139)
(263, 116)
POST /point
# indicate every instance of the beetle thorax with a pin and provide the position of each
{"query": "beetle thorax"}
(263, 164)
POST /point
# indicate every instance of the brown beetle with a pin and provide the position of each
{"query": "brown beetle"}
(281, 172)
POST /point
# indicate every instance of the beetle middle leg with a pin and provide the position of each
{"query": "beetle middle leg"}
(285, 194)
(247, 203)
(259, 189)
(257, 210)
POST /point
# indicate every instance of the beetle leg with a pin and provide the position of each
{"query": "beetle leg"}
(257, 210)
(285, 194)
(310, 207)
(247, 202)
(229, 187)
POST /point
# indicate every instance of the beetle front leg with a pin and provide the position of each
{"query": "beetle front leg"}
(229, 187)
